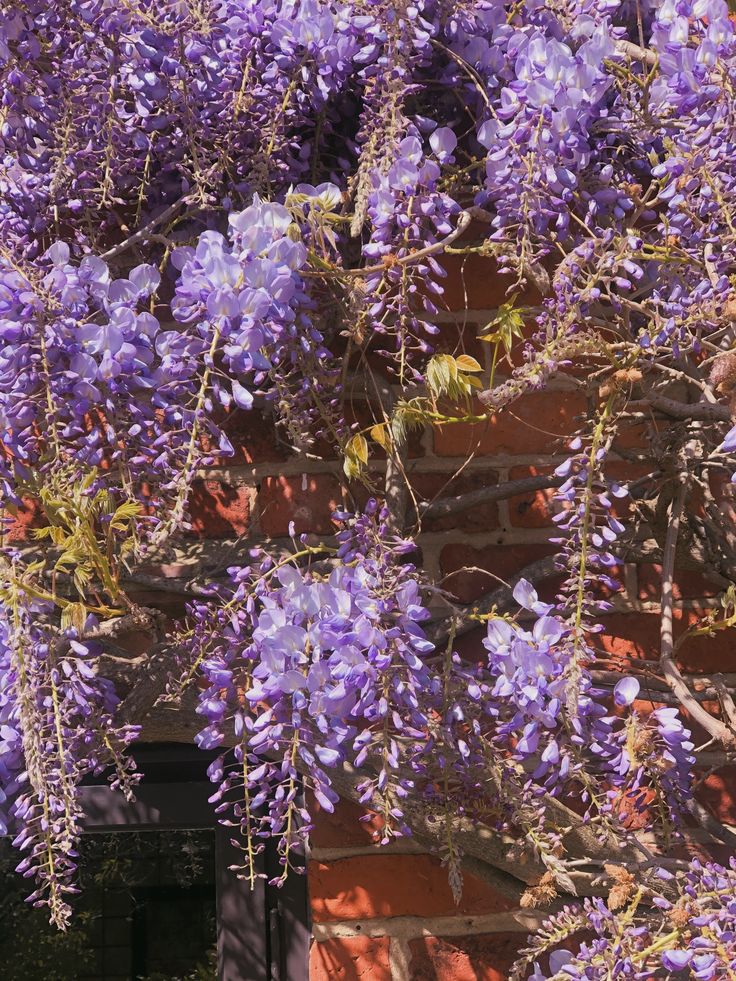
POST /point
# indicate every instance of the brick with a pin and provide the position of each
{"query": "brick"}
(481, 517)
(344, 827)
(718, 793)
(634, 436)
(633, 811)
(636, 636)
(461, 336)
(308, 501)
(473, 281)
(373, 886)
(350, 959)
(686, 584)
(629, 635)
(254, 437)
(532, 424)
(17, 527)
(717, 653)
(530, 510)
(484, 957)
(500, 560)
(361, 415)
(218, 509)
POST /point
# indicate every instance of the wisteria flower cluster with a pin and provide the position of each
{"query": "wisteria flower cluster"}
(334, 667)
(221, 209)
(687, 934)
(313, 668)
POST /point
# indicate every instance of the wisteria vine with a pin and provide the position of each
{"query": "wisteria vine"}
(250, 207)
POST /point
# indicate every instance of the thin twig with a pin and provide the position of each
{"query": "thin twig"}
(709, 823)
(498, 598)
(632, 50)
(671, 673)
(144, 233)
(463, 222)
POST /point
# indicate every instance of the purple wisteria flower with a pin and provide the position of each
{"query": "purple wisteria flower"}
(689, 938)
(206, 208)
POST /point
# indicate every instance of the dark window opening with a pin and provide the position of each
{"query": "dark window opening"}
(158, 900)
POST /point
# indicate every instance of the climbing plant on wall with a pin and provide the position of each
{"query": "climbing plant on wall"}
(213, 208)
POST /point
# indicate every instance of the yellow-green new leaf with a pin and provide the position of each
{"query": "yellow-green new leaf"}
(380, 435)
(356, 456)
(74, 615)
(124, 514)
(466, 363)
(359, 448)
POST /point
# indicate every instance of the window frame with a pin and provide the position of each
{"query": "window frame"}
(263, 934)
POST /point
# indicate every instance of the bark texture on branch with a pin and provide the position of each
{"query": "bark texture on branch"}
(700, 411)
(494, 492)
(671, 673)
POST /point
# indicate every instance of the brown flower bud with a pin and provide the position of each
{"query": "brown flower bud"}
(620, 379)
(624, 887)
(619, 896)
(618, 873)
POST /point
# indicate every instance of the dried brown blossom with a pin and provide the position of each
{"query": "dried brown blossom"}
(536, 897)
(624, 886)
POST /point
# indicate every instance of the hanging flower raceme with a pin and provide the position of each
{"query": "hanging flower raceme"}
(531, 669)
(649, 761)
(549, 93)
(77, 363)
(405, 205)
(244, 302)
(620, 763)
(58, 725)
(307, 669)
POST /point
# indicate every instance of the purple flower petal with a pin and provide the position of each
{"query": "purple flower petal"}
(626, 691)
(729, 443)
(242, 396)
(676, 960)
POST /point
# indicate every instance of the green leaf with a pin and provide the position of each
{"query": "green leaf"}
(439, 374)
(74, 615)
(125, 513)
(508, 324)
